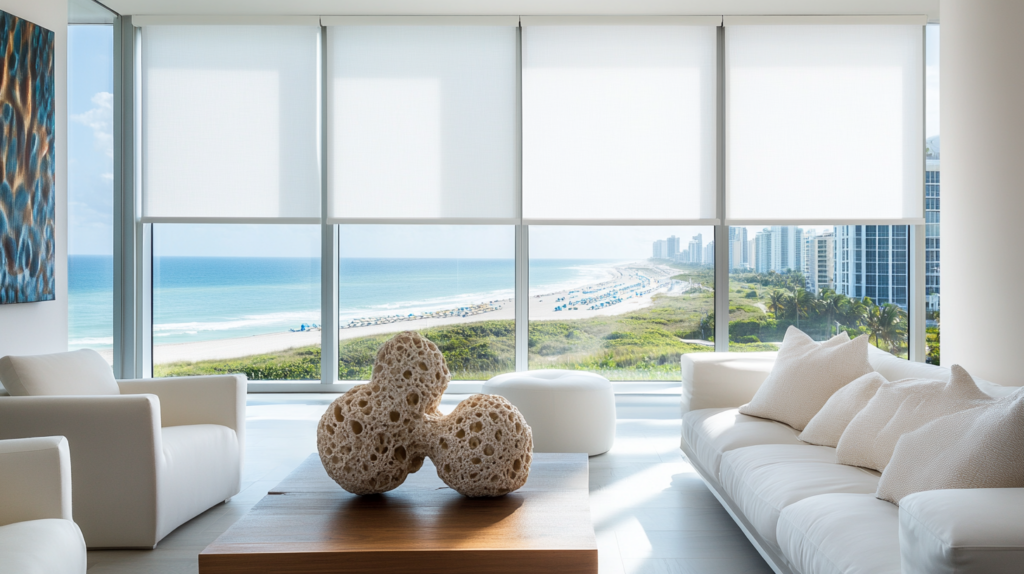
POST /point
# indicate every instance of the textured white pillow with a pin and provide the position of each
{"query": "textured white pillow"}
(805, 374)
(901, 407)
(981, 447)
(75, 373)
(828, 425)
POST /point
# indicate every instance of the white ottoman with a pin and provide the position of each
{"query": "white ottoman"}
(569, 411)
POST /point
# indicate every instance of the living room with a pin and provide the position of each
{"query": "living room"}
(561, 198)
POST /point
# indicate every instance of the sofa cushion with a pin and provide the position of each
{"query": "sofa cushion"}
(977, 448)
(81, 372)
(708, 433)
(42, 547)
(828, 425)
(202, 469)
(963, 531)
(763, 480)
(806, 373)
(841, 534)
(901, 407)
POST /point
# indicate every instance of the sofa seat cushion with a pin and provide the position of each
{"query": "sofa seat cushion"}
(841, 534)
(963, 531)
(710, 432)
(763, 480)
(43, 546)
(201, 469)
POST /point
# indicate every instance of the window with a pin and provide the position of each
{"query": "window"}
(453, 284)
(624, 302)
(236, 298)
(570, 165)
(91, 188)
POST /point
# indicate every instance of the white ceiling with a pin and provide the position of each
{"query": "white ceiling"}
(524, 7)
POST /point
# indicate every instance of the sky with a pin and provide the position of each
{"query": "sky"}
(90, 185)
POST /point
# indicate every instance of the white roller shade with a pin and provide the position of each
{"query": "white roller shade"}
(230, 123)
(825, 123)
(619, 123)
(422, 123)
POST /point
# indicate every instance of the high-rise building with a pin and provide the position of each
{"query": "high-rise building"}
(739, 258)
(673, 247)
(872, 261)
(660, 249)
(819, 261)
(709, 253)
(787, 249)
(763, 249)
(696, 249)
(752, 254)
(931, 228)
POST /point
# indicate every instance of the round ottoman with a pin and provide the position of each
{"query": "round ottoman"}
(569, 411)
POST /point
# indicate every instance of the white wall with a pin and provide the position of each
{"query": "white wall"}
(982, 190)
(30, 328)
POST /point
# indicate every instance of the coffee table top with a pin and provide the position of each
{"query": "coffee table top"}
(309, 516)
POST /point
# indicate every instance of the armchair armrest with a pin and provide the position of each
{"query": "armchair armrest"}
(36, 478)
(964, 531)
(114, 443)
(722, 380)
(212, 399)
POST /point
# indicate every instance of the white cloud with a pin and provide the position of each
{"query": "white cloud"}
(101, 119)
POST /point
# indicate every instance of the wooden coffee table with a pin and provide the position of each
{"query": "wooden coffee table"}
(309, 524)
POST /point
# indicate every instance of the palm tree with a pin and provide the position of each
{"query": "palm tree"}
(831, 305)
(802, 303)
(893, 321)
(776, 302)
(854, 310)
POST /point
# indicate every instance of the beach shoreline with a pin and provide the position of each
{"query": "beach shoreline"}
(610, 293)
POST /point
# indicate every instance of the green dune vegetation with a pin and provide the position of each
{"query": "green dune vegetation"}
(638, 345)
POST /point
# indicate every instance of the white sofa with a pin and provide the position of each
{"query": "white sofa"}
(807, 514)
(37, 535)
(147, 455)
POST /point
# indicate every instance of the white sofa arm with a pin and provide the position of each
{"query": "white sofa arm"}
(722, 380)
(963, 531)
(36, 478)
(114, 443)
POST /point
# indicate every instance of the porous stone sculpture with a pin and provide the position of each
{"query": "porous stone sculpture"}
(373, 436)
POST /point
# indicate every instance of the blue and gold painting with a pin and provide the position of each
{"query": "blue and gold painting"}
(27, 161)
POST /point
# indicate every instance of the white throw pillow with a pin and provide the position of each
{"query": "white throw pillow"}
(74, 373)
(828, 425)
(805, 374)
(981, 447)
(901, 407)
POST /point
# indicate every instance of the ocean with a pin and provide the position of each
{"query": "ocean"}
(209, 298)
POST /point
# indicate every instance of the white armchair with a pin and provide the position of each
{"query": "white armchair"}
(147, 455)
(37, 534)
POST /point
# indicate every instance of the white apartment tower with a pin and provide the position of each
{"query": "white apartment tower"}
(660, 249)
(739, 257)
(819, 262)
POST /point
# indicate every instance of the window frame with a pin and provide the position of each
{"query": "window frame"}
(133, 239)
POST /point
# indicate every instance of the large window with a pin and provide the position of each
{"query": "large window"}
(453, 284)
(529, 192)
(236, 299)
(90, 188)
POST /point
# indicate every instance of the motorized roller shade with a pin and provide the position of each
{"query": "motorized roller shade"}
(230, 123)
(422, 120)
(824, 120)
(619, 122)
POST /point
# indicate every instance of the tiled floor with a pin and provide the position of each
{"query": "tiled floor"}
(652, 514)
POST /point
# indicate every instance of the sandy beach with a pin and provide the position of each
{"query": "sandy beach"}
(630, 287)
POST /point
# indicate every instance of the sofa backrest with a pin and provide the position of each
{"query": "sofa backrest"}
(894, 368)
(81, 372)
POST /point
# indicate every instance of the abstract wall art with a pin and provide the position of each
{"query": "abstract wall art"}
(27, 161)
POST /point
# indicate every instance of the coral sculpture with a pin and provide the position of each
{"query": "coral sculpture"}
(374, 435)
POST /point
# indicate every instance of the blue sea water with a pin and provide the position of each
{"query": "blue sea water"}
(210, 298)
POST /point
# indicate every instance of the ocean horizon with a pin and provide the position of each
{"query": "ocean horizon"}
(199, 299)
